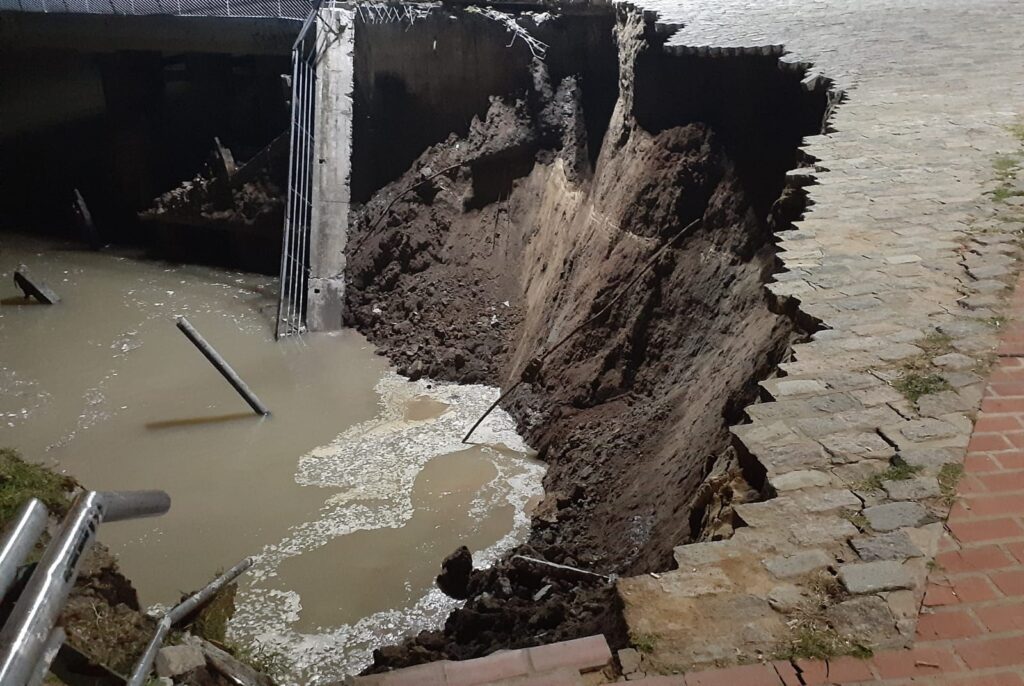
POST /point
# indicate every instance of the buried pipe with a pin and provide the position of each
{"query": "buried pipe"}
(176, 614)
(27, 634)
(222, 366)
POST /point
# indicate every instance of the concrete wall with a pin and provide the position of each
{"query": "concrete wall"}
(332, 167)
(416, 84)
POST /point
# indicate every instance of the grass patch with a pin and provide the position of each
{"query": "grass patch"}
(1017, 131)
(1004, 193)
(898, 470)
(20, 481)
(1006, 165)
(818, 641)
(644, 642)
(825, 587)
(813, 638)
(212, 621)
(914, 384)
(858, 520)
(936, 343)
(948, 478)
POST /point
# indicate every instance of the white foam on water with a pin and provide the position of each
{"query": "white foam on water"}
(370, 470)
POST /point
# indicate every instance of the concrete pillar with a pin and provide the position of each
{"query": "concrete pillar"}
(332, 166)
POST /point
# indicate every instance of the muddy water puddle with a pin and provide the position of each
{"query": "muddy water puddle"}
(349, 495)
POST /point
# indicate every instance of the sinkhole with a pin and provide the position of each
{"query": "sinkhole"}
(557, 200)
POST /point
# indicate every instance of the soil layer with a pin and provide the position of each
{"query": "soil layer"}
(492, 248)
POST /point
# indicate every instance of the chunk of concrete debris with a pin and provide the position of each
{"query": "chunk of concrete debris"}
(455, 572)
(629, 658)
(178, 660)
(33, 288)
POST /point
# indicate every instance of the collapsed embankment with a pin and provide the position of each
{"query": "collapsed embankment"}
(659, 237)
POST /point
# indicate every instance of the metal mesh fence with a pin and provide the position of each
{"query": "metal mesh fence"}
(291, 306)
(284, 9)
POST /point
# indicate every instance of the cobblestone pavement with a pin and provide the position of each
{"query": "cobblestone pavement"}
(970, 630)
(906, 257)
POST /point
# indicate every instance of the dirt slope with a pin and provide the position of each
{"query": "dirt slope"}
(486, 266)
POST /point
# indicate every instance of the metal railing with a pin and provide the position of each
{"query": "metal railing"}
(30, 638)
(274, 9)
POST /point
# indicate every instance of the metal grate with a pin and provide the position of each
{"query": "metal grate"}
(291, 306)
(283, 9)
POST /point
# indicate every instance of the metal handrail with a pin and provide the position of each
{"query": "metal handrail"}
(28, 639)
(20, 539)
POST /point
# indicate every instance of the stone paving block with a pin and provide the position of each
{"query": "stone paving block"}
(892, 516)
(927, 430)
(915, 488)
(812, 530)
(932, 459)
(945, 402)
(804, 478)
(874, 577)
(788, 598)
(791, 457)
(954, 361)
(582, 654)
(798, 563)
(895, 545)
(866, 443)
(501, 665)
(693, 556)
(826, 500)
(867, 620)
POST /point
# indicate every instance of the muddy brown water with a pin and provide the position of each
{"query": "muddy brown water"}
(349, 495)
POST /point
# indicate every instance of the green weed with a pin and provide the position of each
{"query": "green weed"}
(898, 470)
(644, 642)
(915, 384)
(21, 481)
(949, 476)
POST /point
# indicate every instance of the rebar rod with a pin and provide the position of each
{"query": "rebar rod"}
(222, 366)
(142, 667)
(289, 216)
(19, 540)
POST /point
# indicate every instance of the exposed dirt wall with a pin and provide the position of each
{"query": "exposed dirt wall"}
(631, 414)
